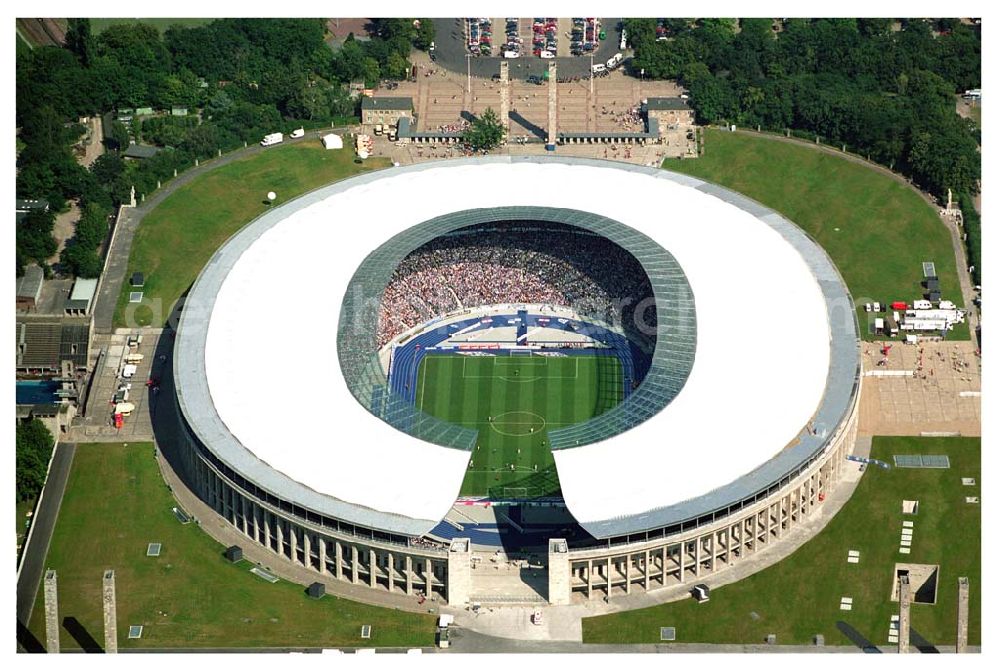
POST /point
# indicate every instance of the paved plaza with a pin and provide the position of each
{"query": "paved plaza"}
(98, 425)
(940, 397)
(444, 100)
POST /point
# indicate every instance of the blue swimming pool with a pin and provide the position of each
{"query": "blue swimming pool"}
(37, 392)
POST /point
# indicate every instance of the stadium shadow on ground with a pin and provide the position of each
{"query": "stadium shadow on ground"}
(547, 479)
(163, 412)
(27, 640)
(82, 636)
(535, 539)
(527, 125)
(923, 645)
(861, 642)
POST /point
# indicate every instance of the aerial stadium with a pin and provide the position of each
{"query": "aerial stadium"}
(646, 378)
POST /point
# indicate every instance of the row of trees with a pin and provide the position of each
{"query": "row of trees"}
(885, 93)
(33, 449)
(973, 235)
(240, 78)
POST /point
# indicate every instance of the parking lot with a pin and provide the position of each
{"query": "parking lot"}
(452, 47)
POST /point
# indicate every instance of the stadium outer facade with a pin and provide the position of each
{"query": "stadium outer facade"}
(331, 538)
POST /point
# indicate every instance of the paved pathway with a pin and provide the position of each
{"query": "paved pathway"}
(46, 513)
(467, 641)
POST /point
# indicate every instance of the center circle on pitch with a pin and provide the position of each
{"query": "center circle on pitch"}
(517, 423)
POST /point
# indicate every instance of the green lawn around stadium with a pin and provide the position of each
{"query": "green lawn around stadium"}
(877, 230)
(177, 238)
(800, 596)
(514, 402)
(189, 597)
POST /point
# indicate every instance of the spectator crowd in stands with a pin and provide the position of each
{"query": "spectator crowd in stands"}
(513, 263)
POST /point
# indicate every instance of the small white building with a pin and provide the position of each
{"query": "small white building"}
(332, 141)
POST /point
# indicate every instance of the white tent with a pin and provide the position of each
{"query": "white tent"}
(333, 141)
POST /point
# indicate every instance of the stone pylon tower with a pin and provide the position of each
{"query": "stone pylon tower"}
(110, 613)
(459, 571)
(51, 613)
(559, 572)
(962, 639)
(904, 614)
(505, 98)
(553, 107)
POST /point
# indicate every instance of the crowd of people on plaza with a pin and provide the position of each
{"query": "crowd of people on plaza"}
(629, 120)
(461, 126)
(516, 263)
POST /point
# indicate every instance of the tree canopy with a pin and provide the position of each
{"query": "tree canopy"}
(485, 132)
(32, 451)
(888, 94)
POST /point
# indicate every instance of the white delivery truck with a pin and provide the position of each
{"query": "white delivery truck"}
(301, 132)
(272, 139)
(615, 60)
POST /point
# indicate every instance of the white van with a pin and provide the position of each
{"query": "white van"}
(922, 305)
(615, 60)
(298, 133)
(597, 68)
(272, 139)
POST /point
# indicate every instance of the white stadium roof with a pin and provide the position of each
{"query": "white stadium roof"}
(759, 375)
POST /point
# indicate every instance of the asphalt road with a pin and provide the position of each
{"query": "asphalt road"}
(33, 561)
(449, 53)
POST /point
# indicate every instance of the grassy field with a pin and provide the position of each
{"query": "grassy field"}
(100, 25)
(876, 230)
(800, 596)
(178, 237)
(514, 401)
(190, 596)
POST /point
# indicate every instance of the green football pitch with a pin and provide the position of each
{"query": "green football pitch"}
(514, 401)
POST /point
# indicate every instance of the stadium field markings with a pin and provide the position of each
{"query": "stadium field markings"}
(518, 362)
(502, 457)
(520, 427)
(420, 386)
